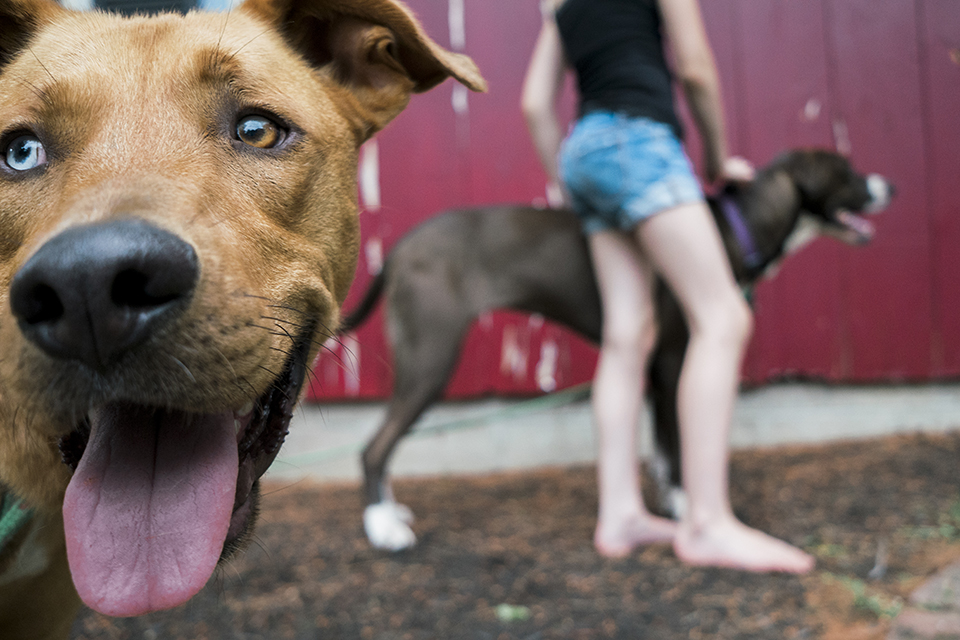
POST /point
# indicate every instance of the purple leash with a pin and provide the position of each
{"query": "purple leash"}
(734, 217)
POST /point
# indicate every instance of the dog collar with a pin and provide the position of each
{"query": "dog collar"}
(13, 515)
(741, 232)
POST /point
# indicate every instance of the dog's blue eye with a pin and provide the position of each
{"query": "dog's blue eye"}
(259, 132)
(25, 153)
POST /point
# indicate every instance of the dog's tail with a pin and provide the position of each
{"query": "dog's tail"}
(359, 315)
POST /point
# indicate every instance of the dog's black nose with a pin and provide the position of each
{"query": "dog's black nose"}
(93, 292)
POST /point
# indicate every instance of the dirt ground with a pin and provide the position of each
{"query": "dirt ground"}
(509, 556)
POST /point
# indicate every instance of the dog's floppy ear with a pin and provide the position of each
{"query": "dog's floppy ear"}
(374, 48)
(19, 20)
(809, 172)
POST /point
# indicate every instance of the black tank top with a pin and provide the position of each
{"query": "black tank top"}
(616, 48)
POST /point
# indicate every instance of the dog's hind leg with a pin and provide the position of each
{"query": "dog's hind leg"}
(423, 362)
(664, 379)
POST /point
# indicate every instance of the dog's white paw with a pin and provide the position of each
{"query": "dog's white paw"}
(677, 502)
(387, 525)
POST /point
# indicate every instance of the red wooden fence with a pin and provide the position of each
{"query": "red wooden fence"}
(877, 78)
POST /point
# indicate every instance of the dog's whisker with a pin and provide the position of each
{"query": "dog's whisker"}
(285, 332)
(328, 349)
(287, 308)
(273, 374)
(288, 354)
(250, 386)
(233, 371)
(285, 487)
(311, 374)
(40, 62)
(343, 345)
(288, 350)
(338, 359)
(273, 303)
(42, 95)
(223, 28)
(185, 368)
(246, 294)
(221, 577)
(244, 45)
(257, 540)
(295, 325)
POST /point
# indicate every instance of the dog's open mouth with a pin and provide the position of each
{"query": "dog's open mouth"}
(159, 495)
(853, 228)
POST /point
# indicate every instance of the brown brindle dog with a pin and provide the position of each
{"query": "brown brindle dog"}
(177, 232)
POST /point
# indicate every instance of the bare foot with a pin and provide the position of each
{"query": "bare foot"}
(734, 545)
(616, 540)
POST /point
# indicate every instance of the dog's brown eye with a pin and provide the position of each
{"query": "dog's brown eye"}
(25, 153)
(259, 132)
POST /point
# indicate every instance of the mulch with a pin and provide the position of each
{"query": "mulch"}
(509, 556)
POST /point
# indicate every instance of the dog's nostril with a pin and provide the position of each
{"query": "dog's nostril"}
(132, 288)
(42, 305)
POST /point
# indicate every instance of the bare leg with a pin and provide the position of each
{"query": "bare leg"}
(629, 330)
(685, 247)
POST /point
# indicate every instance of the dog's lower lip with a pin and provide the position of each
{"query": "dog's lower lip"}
(263, 430)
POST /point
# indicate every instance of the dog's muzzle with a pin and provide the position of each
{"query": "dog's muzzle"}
(159, 494)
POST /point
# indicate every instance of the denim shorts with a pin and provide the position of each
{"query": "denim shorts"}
(620, 170)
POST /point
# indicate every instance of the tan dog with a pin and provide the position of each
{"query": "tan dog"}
(177, 232)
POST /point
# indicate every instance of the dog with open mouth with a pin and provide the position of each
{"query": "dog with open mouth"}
(443, 274)
(178, 229)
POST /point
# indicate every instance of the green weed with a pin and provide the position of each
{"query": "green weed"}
(877, 604)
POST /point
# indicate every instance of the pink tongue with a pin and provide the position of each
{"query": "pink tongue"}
(147, 510)
(858, 224)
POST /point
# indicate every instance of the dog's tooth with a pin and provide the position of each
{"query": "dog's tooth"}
(236, 426)
(246, 409)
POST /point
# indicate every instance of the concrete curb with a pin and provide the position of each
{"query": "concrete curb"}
(325, 440)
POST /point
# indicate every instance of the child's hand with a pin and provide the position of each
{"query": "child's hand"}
(738, 169)
(556, 197)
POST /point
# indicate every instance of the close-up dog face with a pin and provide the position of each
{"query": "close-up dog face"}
(833, 193)
(178, 205)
